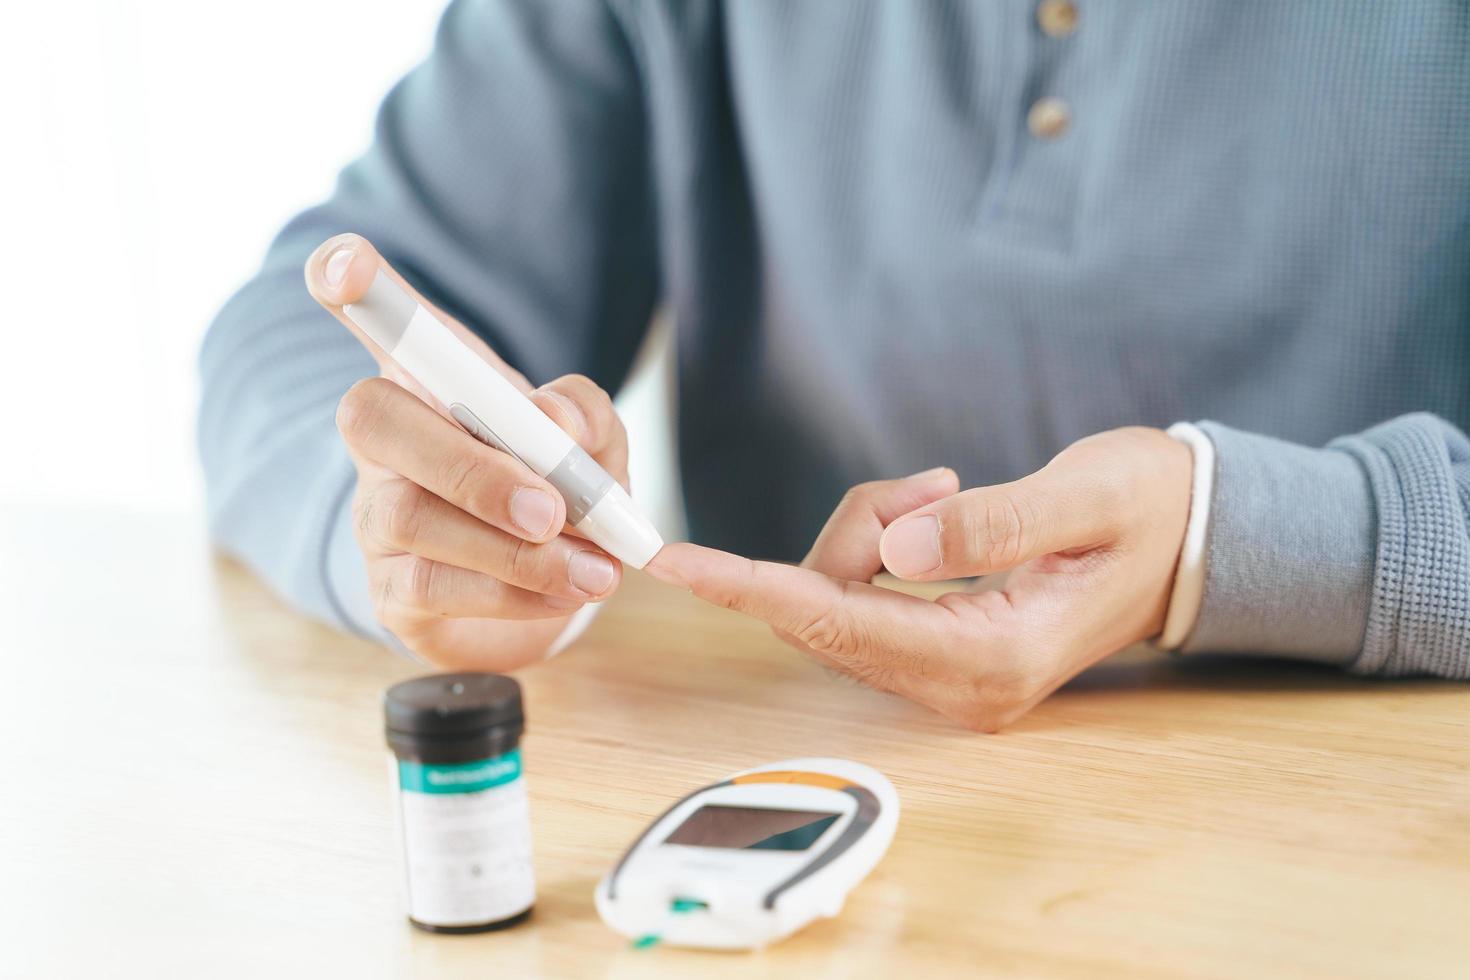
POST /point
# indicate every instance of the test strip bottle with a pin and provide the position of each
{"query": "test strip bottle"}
(461, 800)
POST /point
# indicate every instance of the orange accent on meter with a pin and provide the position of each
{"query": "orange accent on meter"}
(822, 779)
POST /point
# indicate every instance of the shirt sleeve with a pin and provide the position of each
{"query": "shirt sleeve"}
(1356, 554)
(508, 180)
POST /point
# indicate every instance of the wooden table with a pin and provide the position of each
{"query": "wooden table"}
(195, 785)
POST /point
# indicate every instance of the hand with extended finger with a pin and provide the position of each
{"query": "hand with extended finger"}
(1091, 542)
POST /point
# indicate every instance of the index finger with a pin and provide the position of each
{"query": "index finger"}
(390, 427)
(862, 627)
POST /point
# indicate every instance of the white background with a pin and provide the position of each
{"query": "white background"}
(151, 149)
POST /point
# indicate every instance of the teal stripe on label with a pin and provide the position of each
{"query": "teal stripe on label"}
(460, 777)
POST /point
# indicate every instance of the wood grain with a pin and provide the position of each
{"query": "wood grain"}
(196, 785)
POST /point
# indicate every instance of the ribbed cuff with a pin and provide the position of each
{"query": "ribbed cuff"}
(1420, 620)
(1291, 549)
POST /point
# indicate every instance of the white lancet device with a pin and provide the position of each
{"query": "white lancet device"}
(752, 859)
(494, 411)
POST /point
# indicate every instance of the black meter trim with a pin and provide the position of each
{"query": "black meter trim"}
(867, 813)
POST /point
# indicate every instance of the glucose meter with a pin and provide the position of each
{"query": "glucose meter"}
(752, 859)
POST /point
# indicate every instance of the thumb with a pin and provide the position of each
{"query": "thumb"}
(847, 548)
(339, 272)
(991, 529)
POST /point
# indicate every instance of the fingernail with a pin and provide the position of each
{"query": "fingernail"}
(935, 471)
(579, 417)
(532, 510)
(590, 572)
(911, 547)
(334, 270)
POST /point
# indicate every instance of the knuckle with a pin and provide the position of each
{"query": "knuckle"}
(405, 591)
(364, 506)
(828, 634)
(387, 598)
(737, 597)
(468, 480)
(418, 583)
(404, 509)
(382, 586)
(526, 567)
(831, 632)
(997, 533)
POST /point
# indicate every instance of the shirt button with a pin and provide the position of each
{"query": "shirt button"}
(1058, 18)
(1049, 118)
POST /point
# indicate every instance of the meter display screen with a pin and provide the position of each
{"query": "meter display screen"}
(752, 828)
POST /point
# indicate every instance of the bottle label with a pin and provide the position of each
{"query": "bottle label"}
(460, 777)
(467, 840)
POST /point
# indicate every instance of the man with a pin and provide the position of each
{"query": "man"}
(895, 236)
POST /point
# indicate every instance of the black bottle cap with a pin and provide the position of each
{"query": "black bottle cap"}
(454, 706)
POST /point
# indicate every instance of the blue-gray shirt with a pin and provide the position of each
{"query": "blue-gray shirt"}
(880, 257)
